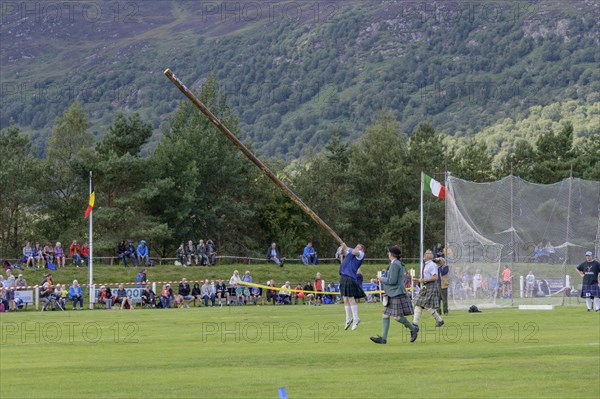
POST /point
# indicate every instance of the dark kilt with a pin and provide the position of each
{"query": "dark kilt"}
(588, 291)
(400, 305)
(349, 287)
(431, 298)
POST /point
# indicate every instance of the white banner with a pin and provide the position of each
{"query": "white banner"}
(26, 296)
(134, 293)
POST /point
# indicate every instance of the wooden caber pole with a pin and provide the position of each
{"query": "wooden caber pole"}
(231, 137)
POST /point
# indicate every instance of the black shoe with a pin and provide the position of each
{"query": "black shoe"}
(439, 323)
(378, 340)
(414, 333)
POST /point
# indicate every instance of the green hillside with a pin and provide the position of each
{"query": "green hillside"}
(295, 71)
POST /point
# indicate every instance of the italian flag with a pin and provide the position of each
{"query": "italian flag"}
(434, 187)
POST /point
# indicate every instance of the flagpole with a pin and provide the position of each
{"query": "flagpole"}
(92, 292)
(421, 246)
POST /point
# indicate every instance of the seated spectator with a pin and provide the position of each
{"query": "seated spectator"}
(274, 256)
(191, 253)
(75, 253)
(49, 254)
(537, 252)
(298, 295)
(196, 293)
(140, 278)
(105, 297)
(85, 254)
(130, 253)
(184, 293)
(318, 288)
(166, 296)
(38, 254)
(247, 294)
(309, 298)
(142, 253)
(247, 278)
(28, 255)
(3, 300)
(9, 285)
(255, 295)
(239, 294)
(211, 253)
(371, 297)
(222, 292)
(121, 297)
(272, 296)
(45, 293)
(148, 296)
(207, 291)
(285, 295)
(309, 256)
(20, 282)
(64, 296)
(56, 295)
(235, 279)
(181, 256)
(120, 250)
(59, 253)
(76, 295)
(201, 258)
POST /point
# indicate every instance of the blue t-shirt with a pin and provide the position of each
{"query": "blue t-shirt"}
(351, 263)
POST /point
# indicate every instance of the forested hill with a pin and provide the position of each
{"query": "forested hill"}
(295, 71)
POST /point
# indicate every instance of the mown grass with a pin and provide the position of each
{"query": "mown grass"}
(251, 351)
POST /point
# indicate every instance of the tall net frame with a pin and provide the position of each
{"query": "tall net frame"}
(530, 229)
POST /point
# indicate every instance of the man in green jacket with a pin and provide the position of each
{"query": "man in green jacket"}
(397, 303)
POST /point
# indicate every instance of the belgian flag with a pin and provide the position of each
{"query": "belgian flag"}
(92, 198)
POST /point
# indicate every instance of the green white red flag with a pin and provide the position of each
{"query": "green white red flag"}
(434, 187)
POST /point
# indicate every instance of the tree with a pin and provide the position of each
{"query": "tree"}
(120, 176)
(19, 182)
(199, 184)
(553, 156)
(65, 183)
(126, 135)
(472, 161)
(377, 180)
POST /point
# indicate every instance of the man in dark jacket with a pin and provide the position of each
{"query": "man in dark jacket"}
(274, 256)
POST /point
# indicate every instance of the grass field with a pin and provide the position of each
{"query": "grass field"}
(251, 351)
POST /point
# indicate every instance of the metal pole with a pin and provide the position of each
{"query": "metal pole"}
(91, 260)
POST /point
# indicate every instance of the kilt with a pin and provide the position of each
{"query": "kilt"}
(349, 287)
(400, 305)
(431, 298)
(588, 291)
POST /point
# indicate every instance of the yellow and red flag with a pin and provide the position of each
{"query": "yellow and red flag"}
(92, 199)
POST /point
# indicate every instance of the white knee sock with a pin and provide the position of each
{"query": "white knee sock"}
(417, 315)
(435, 314)
(588, 302)
(596, 303)
(354, 309)
(348, 313)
